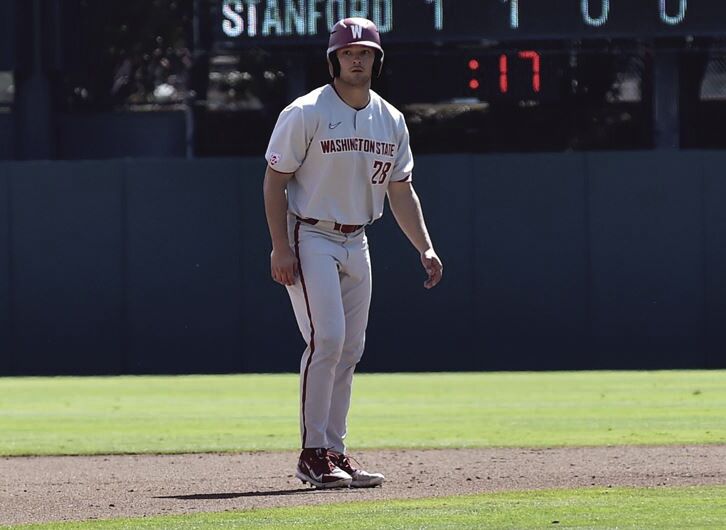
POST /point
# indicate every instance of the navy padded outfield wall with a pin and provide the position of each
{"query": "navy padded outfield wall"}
(552, 261)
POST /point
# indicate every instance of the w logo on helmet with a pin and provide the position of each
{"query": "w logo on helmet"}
(357, 31)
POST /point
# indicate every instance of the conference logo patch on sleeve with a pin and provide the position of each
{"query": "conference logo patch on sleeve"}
(275, 158)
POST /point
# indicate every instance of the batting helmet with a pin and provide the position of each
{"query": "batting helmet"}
(350, 31)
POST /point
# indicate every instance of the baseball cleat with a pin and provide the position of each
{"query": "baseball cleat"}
(360, 478)
(316, 468)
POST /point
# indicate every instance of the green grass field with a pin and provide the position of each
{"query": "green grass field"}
(582, 508)
(42, 416)
(96, 415)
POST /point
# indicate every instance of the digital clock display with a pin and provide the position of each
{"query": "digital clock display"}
(248, 22)
(507, 63)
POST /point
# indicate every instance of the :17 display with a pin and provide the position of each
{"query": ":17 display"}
(532, 56)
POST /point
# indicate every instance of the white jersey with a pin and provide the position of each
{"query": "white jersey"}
(343, 158)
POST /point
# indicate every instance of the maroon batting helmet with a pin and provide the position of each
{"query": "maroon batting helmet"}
(350, 31)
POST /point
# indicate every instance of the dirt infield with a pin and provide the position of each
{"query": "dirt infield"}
(40, 489)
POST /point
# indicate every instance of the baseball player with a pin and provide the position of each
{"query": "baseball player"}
(334, 154)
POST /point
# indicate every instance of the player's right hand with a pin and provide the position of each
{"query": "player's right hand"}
(283, 265)
(433, 266)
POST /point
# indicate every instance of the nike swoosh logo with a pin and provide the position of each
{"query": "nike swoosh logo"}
(334, 125)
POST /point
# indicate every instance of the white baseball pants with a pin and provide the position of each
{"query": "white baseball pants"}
(331, 297)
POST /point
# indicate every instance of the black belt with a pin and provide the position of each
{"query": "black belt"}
(343, 229)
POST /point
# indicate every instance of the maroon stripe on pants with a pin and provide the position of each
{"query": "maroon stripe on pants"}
(312, 330)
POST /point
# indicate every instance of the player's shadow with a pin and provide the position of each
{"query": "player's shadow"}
(217, 496)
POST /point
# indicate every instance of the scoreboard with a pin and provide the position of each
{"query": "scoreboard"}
(609, 73)
(240, 23)
(522, 36)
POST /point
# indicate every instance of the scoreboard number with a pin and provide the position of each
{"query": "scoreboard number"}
(240, 23)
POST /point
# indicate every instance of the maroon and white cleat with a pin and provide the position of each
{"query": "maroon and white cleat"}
(361, 478)
(316, 467)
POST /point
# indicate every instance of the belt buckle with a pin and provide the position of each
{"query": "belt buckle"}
(346, 229)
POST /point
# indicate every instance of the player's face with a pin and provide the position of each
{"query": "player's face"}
(356, 64)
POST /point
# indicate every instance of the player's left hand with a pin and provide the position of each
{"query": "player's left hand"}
(433, 266)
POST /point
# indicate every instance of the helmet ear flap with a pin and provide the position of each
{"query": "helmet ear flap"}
(335, 63)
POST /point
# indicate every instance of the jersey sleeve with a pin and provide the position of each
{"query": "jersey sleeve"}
(403, 165)
(288, 142)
